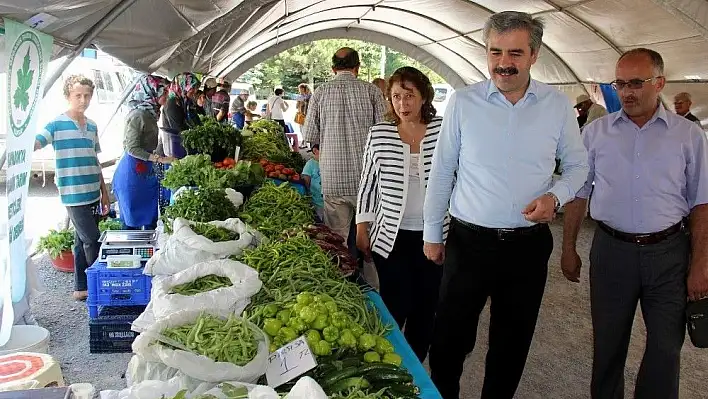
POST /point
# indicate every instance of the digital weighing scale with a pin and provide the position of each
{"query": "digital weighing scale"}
(127, 248)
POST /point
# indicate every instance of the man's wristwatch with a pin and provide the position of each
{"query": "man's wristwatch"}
(556, 201)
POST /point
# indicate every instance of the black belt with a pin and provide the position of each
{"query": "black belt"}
(643, 239)
(502, 234)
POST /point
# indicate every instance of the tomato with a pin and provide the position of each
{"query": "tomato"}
(229, 161)
(296, 177)
(218, 164)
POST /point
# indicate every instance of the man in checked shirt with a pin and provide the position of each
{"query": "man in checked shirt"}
(339, 116)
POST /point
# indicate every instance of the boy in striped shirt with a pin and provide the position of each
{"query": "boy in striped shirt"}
(78, 174)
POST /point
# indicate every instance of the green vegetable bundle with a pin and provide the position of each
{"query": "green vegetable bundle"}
(274, 209)
(214, 233)
(297, 265)
(199, 171)
(109, 224)
(204, 205)
(202, 284)
(211, 137)
(230, 340)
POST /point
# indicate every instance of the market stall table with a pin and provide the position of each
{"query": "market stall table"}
(410, 360)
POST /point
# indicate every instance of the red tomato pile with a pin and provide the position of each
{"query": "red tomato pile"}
(278, 171)
(227, 163)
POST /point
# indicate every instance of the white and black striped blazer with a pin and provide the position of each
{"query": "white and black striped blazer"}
(383, 189)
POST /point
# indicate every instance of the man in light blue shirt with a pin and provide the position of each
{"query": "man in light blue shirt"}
(493, 168)
(650, 170)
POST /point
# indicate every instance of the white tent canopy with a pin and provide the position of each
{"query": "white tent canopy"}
(582, 40)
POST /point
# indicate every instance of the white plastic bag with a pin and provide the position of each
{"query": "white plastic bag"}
(183, 248)
(234, 298)
(306, 388)
(195, 365)
(142, 369)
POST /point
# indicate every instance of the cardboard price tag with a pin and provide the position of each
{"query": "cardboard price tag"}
(290, 361)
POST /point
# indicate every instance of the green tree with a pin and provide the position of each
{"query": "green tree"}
(312, 63)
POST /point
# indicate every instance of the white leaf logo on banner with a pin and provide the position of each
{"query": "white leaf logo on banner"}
(26, 59)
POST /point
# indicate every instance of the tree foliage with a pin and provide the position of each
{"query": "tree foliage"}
(312, 63)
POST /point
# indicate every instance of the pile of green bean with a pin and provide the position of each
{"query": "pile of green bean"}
(230, 340)
(297, 264)
(274, 209)
(214, 233)
(201, 284)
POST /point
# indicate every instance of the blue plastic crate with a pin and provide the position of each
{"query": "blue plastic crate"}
(116, 287)
(297, 186)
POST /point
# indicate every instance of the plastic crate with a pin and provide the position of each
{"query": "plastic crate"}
(116, 287)
(297, 186)
(110, 331)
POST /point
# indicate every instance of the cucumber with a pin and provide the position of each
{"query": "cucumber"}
(348, 383)
(388, 377)
(381, 367)
(337, 375)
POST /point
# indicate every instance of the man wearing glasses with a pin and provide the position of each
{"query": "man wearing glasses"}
(650, 169)
(682, 106)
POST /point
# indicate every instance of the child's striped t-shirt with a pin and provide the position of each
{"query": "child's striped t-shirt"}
(77, 168)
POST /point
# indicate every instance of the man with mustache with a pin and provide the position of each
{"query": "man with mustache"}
(650, 169)
(492, 168)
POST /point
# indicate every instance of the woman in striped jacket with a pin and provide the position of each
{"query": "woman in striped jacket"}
(389, 215)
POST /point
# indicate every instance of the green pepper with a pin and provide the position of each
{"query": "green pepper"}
(347, 339)
(272, 326)
(307, 314)
(270, 310)
(297, 324)
(272, 348)
(330, 333)
(323, 298)
(392, 358)
(322, 348)
(383, 346)
(331, 307)
(340, 320)
(320, 308)
(284, 315)
(357, 330)
(372, 357)
(298, 307)
(321, 321)
(313, 337)
(367, 342)
(304, 298)
(288, 334)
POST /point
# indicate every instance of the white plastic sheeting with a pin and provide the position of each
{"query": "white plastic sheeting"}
(582, 40)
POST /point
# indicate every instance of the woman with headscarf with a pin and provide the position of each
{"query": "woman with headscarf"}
(180, 109)
(134, 182)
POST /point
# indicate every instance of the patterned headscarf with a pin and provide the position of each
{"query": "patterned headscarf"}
(182, 83)
(146, 94)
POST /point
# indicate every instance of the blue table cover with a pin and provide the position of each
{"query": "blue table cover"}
(410, 360)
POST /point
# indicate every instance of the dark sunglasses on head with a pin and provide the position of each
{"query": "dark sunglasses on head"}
(632, 83)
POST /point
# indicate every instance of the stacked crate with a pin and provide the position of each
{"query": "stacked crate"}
(116, 297)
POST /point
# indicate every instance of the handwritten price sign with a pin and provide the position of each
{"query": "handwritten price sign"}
(290, 361)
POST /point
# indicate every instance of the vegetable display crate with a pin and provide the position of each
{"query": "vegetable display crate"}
(410, 360)
(300, 187)
(116, 287)
(110, 331)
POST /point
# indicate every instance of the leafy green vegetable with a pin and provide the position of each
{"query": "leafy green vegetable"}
(198, 171)
(214, 233)
(211, 137)
(56, 242)
(204, 205)
(109, 224)
(24, 82)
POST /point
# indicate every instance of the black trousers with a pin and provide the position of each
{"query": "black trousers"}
(409, 285)
(622, 274)
(86, 245)
(512, 271)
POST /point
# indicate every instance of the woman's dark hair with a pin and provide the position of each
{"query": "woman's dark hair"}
(409, 75)
(279, 92)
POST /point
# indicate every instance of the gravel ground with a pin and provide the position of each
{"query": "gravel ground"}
(558, 367)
